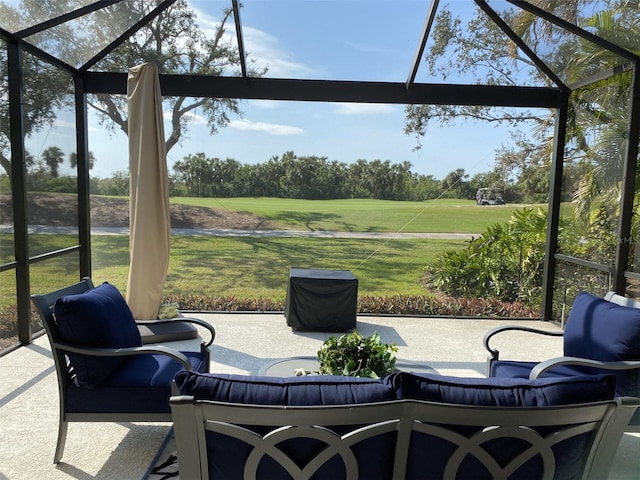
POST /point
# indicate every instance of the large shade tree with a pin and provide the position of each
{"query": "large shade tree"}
(175, 41)
(480, 52)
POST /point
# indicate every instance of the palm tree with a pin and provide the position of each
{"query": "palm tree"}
(73, 160)
(53, 157)
(601, 110)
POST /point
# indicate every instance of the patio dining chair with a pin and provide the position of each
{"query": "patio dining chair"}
(601, 335)
(105, 373)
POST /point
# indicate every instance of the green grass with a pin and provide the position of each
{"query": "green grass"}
(248, 267)
(364, 215)
(258, 267)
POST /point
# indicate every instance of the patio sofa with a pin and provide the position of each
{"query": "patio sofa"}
(405, 426)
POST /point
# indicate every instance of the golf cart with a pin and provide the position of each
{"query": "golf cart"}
(489, 196)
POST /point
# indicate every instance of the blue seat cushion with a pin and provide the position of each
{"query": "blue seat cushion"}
(227, 455)
(141, 385)
(303, 390)
(502, 391)
(98, 318)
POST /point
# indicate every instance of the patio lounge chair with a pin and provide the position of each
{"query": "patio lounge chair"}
(602, 335)
(104, 372)
(151, 331)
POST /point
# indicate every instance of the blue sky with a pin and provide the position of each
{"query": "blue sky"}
(319, 39)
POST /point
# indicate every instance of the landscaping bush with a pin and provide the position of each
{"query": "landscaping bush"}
(505, 262)
(436, 306)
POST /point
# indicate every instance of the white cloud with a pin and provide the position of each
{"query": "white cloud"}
(58, 122)
(270, 128)
(363, 108)
(192, 116)
(265, 104)
(61, 123)
(261, 47)
(266, 50)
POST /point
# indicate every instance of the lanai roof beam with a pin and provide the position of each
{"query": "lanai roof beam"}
(497, 19)
(612, 47)
(426, 29)
(122, 38)
(54, 22)
(241, 53)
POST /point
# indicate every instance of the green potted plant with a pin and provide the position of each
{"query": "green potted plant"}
(357, 356)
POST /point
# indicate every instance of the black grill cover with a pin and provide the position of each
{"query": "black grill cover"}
(321, 300)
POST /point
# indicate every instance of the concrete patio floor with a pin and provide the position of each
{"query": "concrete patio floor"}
(244, 344)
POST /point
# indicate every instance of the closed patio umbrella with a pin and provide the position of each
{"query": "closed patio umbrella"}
(150, 228)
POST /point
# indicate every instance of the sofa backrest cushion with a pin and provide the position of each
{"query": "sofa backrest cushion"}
(565, 455)
(502, 391)
(227, 455)
(98, 318)
(303, 390)
(602, 330)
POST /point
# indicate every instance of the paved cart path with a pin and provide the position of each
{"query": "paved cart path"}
(232, 232)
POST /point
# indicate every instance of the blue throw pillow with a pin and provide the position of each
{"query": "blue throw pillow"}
(601, 330)
(304, 390)
(98, 318)
(504, 392)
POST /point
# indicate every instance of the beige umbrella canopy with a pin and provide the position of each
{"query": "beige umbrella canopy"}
(148, 193)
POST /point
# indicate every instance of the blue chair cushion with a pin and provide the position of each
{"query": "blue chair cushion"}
(601, 330)
(98, 318)
(141, 385)
(227, 455)
(303, 390)
(502, 391)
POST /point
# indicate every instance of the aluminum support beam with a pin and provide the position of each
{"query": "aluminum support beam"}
(553, 215)
(83, 166)
(426, 29)
(335, 91)
(19, 190)
(239, 38)
(628, 186)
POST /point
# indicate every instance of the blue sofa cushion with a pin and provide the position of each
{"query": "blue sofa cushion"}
(601, 330)
(226, 455)
(141, 385)
(98, 318)
(502, 391)
(303, 390)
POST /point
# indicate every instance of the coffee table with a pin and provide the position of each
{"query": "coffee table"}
(285, 367)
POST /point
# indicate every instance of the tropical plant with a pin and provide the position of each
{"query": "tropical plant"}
(357, 356)
(504, 262)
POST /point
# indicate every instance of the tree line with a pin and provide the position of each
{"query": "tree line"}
(289, 176)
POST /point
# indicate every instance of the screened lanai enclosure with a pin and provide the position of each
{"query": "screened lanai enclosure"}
(570, 65)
